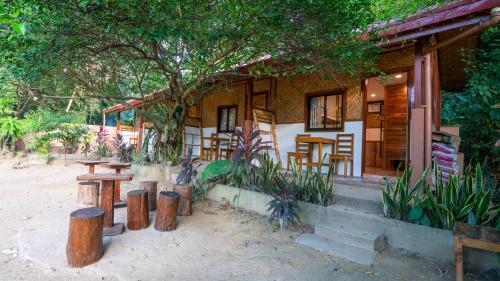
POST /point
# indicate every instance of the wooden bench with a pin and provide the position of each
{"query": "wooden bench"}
(473, 236)
(108, 182)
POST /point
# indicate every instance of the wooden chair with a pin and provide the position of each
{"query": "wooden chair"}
(344, 151)
(206, 150)
(301, 151)
(227, 148)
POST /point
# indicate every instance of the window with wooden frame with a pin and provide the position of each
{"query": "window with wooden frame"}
(226, 118)
(325, 111)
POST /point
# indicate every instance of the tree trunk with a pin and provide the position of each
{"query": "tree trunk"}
(152, 188)
(166, 213)
(88, 194)
(137, 209)
(84, 245)
(186, 199)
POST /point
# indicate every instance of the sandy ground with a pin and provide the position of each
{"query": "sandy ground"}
(212, 244)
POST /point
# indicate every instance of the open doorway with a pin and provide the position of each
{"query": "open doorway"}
(386, 124)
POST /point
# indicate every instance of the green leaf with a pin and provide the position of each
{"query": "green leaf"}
(19, 28)
(416, 213)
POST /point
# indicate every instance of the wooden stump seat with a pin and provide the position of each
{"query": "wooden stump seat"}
(88, 194)
(473, 236)
(107, 198)
(185, 199)
(137, 209)
(84, 245)
(152, 188)
(166, 211)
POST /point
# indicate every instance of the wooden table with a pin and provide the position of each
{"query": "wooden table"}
(473, 236)
(118, 169)
(320, 141)
(91, 164)
(217, 141)
(108, 182)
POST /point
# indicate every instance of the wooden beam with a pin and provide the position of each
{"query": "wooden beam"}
(430, 31)
(416, 99)
(495, 18)
(118, 125)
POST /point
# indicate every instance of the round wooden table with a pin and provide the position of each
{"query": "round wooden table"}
(91, 164)
(108, 182)
(118, 166)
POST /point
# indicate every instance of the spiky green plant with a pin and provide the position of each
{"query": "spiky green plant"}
(284, 206)
(267, 173)
(312, 186)
(398, 197)
(462, 199)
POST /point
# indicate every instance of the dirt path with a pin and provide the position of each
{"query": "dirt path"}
(212, 244)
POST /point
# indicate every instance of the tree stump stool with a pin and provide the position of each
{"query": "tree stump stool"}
(137, 209)
(166, 211)
(88, 194)
(152, 188)
(85, 237)
(186, 199)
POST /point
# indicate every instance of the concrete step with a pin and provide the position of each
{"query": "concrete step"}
(356, 217)
(348, 234)
(358, 197)
(337, 249)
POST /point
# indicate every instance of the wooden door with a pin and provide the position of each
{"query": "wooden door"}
(395, 119)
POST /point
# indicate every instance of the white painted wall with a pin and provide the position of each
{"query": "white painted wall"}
(286, 141)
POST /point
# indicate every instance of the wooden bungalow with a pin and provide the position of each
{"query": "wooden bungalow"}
(387, 120)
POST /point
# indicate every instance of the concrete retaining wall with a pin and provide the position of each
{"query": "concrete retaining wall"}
(257, 202)
(159, 173)
(407, 237)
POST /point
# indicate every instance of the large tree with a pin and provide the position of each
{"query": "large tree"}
(118, 50)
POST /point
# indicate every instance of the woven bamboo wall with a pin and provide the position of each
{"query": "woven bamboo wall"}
(398, 59)
(232, 95)
(290, 96)
(289, 99)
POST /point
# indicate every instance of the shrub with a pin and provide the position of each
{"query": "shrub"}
(267, 173)
(284, 206)
(246, 151)
(398, 198)
(216, 170)
(312, 186)
(462, 199)
(11, 129)
(466, 199)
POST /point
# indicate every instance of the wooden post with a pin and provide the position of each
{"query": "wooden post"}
(118, 125)
(88, 194)
(117, 189)
(186, 199)
(152, 188)
(107, 202)
(459, 258)
(84, 245)
(166, 213)
(138, 148)
(137, 209)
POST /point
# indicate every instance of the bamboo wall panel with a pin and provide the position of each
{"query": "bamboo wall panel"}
(290, 96)
(262, 85)
(451, 62)
(231, 96)
(398, 59)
